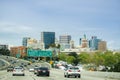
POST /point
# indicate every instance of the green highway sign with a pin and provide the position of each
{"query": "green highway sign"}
(38, 53)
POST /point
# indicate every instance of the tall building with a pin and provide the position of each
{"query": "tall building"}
(72, 44)
(32, 43)
(25, 41)
(84, 42)
(93, 43)
(47, 38)
(102, 46)
(65, 39)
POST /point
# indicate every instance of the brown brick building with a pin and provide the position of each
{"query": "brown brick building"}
(20, 51)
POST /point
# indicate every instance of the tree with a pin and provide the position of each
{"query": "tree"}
(70, 59)
(63, 56)
(84, 58)
(4, 52)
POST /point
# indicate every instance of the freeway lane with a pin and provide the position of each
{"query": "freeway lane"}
(54, 75)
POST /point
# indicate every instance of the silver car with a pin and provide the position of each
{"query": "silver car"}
(72, 71)
(18, 71)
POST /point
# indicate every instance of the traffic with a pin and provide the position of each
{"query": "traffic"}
(18, 69)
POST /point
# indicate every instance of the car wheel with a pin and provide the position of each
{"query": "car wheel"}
(37, 74)
(23, 74)
(13, 74)
(48, 75)
(79, 76)
(64, 75)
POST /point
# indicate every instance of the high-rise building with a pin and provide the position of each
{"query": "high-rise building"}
(102, 46)
(47, 38)
(32, 43)
(84, 42)
(25, 41)
(65, 39)
(93, 43)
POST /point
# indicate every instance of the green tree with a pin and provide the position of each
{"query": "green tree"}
(4, 52)
(63, 56)
(116, 66)
(70, 59)
(84, 58)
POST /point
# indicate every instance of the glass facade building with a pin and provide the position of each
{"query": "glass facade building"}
(47, 38)
(93, 43)
(25, 41)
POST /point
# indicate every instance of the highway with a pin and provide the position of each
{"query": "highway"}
(57, 74)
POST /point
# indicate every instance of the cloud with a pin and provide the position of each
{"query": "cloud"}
(14, 28)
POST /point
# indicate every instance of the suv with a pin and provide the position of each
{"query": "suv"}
(10, 68)
(72, 71)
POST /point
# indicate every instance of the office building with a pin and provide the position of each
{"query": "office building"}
(93, 43)
(64, 39)
(20, 51)
(47, 38)
(25, 41)
(83, 42)
(102, 46)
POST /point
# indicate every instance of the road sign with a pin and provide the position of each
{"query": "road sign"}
(38, 53)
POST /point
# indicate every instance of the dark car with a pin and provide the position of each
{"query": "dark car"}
(10, 68)
(43, 71)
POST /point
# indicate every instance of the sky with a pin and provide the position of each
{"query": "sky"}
(28, 18)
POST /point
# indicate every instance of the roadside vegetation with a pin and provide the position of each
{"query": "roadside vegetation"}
(108, 60)
(4, 52)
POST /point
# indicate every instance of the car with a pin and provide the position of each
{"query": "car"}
(18, 71)
(10, 68)
(72, 71)
(31, 70)
(43, 71)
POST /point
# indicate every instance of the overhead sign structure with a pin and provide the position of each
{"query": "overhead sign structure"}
(38, 53)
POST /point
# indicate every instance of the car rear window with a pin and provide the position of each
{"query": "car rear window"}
(18, 68)
(75, 68)
(42, 68)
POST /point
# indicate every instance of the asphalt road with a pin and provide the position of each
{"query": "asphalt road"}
(56, 74)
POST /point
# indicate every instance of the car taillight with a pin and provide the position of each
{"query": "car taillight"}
(78, 70)
(69, 71)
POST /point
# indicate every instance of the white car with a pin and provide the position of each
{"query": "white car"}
(72, 71)
(18, 71)
(31, 70)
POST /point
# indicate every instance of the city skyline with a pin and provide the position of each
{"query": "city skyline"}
(29, 18)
